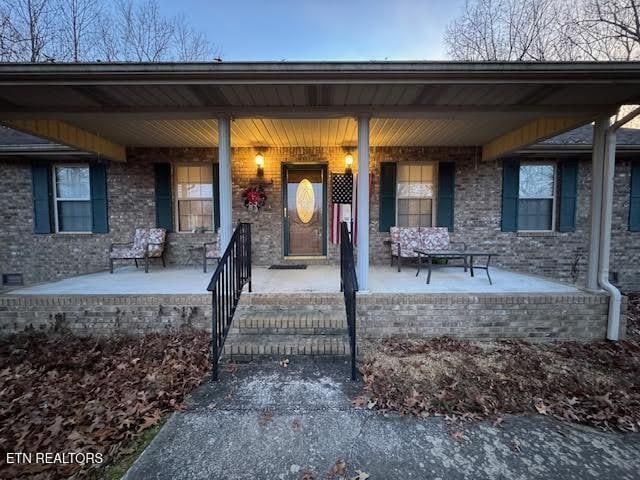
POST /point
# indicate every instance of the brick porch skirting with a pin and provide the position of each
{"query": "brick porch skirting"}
(535, 317)
(104, 314)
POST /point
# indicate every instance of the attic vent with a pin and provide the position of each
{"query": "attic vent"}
(12, 279)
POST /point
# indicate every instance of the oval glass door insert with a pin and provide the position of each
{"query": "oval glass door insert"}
(305, 201)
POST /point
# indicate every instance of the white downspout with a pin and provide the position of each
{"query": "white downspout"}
(615, 298)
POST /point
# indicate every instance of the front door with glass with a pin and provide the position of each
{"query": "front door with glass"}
(304, 191)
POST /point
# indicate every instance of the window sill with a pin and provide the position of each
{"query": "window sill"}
(69, 234)
(534, 233)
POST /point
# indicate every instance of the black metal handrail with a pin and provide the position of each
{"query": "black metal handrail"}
(232, 274)
(349, 287)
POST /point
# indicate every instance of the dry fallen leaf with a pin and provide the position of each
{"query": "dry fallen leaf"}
(515, 446)
(360, 475)
(359, 402)
(540, 406)
(295, 425)
(265, 418)
(339, 469)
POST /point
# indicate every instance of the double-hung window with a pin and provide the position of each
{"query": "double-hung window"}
(536, 196)
(415, 195)
(72, 198)
(194, 186)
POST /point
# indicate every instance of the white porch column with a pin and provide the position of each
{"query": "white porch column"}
(597, 174)
(224, 160)
(363, 203)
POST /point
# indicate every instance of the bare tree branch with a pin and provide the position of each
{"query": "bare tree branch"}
(32, 22)
(79, 28)
(89, 30)
(190, 44)
(545, 30)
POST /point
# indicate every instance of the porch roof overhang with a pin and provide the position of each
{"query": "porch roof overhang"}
(501, 106)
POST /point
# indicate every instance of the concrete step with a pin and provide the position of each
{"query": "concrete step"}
(246, 347)
(297, 302)
(306, 322)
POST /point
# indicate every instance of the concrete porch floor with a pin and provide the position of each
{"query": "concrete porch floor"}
(316, 278)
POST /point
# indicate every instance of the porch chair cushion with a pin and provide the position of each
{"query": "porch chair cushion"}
(154, 238)
(149, 240)
(421, 238)
(147, 243)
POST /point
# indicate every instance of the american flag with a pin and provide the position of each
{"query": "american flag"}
(345, 212)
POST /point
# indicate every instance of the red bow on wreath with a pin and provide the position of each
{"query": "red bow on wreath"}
(254, 198)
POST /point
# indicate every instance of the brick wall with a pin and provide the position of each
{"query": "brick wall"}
(267, 223)
(535, 317)
(477, 214)
(477, 219)
(579, 316)
(98, 315)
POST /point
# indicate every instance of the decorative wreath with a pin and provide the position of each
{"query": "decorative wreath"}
(254, 198)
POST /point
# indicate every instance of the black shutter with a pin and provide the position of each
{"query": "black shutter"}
(216, 196)
(568, 195)
(510, 189)
(41, 193)
(634, 203)
(387, 214)
(164, 218)
(99, 206)
(446, 191)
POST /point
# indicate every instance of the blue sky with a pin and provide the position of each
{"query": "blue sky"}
(321, 29)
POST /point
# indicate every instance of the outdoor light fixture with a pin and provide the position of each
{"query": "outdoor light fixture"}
(348, 162)
(260, 164)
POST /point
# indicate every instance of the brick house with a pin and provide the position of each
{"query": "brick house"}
(90, 152)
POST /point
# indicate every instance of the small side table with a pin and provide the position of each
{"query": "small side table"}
(195, 256)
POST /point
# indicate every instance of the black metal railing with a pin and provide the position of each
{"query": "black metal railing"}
(232, 274)
(349, 287)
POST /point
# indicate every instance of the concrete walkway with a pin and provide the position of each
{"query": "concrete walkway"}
(270, 422)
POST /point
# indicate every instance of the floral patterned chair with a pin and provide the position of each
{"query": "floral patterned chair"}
(405, 240)
(211, 251)
(147, 243)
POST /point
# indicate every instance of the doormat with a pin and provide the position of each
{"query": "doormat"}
(292, 266)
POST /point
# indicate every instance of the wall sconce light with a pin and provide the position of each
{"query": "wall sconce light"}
(260, 164)
(348, 162)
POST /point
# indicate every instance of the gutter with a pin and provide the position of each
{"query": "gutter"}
(564, 73)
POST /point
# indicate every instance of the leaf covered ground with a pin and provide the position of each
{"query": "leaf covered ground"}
(597, 384)
(73, 394)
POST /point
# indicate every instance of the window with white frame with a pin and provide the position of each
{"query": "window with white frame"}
(72, 198)
(415, 195)
(536, 196)
(194, 187)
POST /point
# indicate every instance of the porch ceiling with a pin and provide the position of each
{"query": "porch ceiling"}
(286, 132)
(312, 104)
